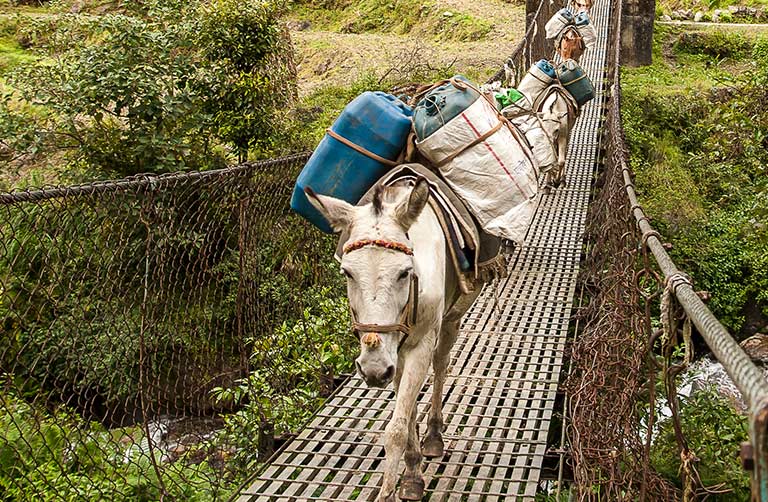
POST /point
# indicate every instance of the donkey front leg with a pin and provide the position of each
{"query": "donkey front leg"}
(562, 151)
(412, 483)
(415, 365)
(433, 441)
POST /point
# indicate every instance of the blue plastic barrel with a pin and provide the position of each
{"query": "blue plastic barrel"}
(376, 121)
(440, 105)
(575, 81)
(581, 19)
(546, 67)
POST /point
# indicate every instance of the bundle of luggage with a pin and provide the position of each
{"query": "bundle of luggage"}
(564, 20)
(488, 147)
(569, 74)
(458, 132)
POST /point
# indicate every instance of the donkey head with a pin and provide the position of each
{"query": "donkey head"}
(378, 264)
(571, 45)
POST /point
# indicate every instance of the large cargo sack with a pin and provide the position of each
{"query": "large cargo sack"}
(484, 159)
(361, 145)
(529, 123)
(556, 23)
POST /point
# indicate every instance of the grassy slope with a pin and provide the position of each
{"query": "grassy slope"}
(688, 119)
(337, 46)
(708, 6)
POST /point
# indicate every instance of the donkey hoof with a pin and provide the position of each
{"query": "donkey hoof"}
(412, 488)
(386, 498)
(433, 447)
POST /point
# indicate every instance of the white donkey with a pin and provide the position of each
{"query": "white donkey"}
(558, 112)
(406, 306)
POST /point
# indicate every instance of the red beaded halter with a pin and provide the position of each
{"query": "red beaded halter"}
(396, 246)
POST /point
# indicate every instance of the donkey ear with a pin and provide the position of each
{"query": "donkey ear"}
(336, 211)
(410, 207)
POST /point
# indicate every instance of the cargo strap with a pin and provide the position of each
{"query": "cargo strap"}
(574, 80)
(573, 108)
(359, 149)
(423, 90)
(476, 142)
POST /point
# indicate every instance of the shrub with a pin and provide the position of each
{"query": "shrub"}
(295, 370)
(714, 432)
(699, 158)
(148, 90)
(59, 456)
(719, 44)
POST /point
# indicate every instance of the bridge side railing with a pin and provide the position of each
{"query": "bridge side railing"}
(628, 270)
(126, 304)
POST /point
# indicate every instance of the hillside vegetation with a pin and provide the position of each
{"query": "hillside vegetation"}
(697, 124)
(697, 127)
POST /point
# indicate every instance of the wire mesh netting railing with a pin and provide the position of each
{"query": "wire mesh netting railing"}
(155, 328)
(640, 306)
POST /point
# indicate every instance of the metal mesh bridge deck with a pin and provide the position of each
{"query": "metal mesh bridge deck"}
(504, 373)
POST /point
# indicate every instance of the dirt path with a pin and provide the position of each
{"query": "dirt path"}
(329, 58)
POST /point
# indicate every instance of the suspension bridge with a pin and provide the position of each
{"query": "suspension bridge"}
(511, 423)
(502, 389)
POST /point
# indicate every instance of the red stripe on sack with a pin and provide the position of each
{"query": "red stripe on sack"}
(463, 115)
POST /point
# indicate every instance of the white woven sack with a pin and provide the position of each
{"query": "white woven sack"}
(529, 123)
(496, 178)
(555, 25)
(533, 83)
(542, 147)
(588, 34)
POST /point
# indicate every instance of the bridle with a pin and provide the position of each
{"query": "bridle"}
(407, 318)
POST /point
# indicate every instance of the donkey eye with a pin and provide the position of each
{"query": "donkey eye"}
(404, 274)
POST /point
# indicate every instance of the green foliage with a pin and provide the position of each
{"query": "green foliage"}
(717, 44)
(284, 390)
(158, 87)
(700, 154)
(58, 456)
(714, 432)
(399, 16)
(11, 54)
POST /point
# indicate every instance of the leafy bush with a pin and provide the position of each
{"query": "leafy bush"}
(294, 371)
(699, 155)
(714, 432)
(720, 44)
(148, 90)
(402, 16)
(58, 456)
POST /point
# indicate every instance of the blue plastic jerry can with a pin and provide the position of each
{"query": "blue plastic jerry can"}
(377, 122)
(576, 82)
(440, 105)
